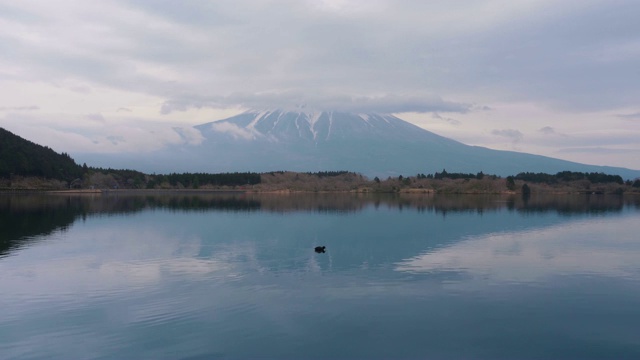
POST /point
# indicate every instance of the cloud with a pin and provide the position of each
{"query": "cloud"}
(592, 139)
(189, 135)
(632, 116)
(124, 135)
(294, 100)
(115, 140)
(233, 130)
(19, 108)
(80, 89)
(599, 150)
(547, 130)
(512, 134)
(96, 117)
(451, 121)
(561, 54)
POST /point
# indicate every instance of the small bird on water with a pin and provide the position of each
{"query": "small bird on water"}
(320, 249)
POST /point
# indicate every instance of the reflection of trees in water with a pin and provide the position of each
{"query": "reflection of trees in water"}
(314, 202)
(578, 204)
(633, 201)
(563, 204)
(23, 217)
(203, 202)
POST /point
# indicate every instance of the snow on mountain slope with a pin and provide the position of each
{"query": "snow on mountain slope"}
(315, 127)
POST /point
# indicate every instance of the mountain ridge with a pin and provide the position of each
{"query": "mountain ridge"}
(308, 141)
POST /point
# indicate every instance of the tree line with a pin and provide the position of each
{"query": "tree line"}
(566, 176)
(196, 180)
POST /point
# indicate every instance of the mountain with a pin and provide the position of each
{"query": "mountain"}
(372, 144)
(19, 156)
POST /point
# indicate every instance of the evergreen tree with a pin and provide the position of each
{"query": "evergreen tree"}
(511, 183)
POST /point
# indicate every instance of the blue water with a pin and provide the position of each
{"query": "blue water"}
(235, 276)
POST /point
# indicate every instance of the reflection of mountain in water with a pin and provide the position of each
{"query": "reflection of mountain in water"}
(24, 217)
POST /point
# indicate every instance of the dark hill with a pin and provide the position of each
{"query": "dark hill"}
(22, 157)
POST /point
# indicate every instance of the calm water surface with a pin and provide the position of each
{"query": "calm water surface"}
(235, 276)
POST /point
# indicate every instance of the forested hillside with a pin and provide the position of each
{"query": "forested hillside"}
(22, 157)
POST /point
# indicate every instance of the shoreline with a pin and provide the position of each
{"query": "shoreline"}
(142, 191)
(288, 192)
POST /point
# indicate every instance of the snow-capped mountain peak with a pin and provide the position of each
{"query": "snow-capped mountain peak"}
(312, 126)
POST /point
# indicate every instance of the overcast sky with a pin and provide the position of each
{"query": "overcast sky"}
(556, 78)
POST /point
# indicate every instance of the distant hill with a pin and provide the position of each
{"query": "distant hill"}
(22, 157)
(371, 144)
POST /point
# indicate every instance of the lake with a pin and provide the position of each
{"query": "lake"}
(227, 276)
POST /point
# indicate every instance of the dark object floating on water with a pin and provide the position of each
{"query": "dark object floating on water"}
(320, 249)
